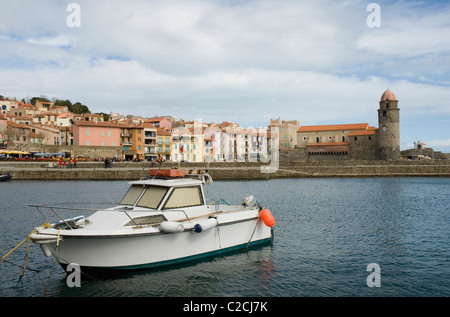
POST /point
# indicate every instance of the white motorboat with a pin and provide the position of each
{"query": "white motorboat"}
(162, 220)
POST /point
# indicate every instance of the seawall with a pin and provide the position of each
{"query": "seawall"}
(228, 171)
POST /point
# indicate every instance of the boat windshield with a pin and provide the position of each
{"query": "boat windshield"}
(151, 198)
(132, 195)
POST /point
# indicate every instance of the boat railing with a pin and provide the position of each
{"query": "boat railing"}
(69, 223)
(65, 221)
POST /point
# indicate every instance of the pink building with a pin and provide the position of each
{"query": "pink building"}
(160, 123)
(96, 133)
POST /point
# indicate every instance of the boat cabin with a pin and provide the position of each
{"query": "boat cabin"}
(163, 194)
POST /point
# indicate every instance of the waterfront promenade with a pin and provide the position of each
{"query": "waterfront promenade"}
(228, 170)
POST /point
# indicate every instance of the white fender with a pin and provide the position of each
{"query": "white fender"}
(171, 226)
(205, 225)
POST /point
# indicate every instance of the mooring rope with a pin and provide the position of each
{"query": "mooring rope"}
(254, 229)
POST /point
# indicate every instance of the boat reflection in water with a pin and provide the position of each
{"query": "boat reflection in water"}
(162, 220)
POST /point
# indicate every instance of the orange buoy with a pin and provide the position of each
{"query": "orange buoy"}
(267, 218)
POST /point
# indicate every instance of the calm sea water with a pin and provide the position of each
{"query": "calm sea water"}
(327, 232)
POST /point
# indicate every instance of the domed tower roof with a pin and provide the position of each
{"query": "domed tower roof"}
(388, 95)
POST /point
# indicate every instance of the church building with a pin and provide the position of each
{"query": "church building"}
(357, 141)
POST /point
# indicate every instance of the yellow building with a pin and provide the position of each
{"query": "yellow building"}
(163, 143)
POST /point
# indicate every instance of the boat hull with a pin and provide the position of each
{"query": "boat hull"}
(158, 250)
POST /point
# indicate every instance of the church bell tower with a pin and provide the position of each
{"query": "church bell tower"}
(388, 127)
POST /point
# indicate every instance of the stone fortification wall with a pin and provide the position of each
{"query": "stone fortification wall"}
(240, 171)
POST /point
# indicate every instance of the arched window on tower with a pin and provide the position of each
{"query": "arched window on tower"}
(384, 113)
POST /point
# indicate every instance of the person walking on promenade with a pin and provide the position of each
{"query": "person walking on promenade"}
(60, 163)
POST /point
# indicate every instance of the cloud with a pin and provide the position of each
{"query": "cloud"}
(56, 40)
(242, 61)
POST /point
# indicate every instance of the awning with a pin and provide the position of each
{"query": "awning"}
(13, 152)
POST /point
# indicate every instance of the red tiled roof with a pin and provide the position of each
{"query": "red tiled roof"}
(148, 125)
(100, 124)
(162, 131)
(334, 127)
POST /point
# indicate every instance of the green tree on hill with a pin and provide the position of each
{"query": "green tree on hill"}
(77, 107)
(41, 98)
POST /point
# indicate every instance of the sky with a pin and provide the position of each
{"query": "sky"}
(319, 62)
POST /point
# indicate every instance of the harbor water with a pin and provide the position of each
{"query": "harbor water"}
(329, 234)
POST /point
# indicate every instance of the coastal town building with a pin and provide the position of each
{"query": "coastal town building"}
(132, 141)
(3, 133)
(389, 127)
(6, 105)
(357, 141)
(164, 144)
(150, 147)
(419, 145)
(24, 125)
(287, 132)
(87, 133)
(187, 144)
(160, 122)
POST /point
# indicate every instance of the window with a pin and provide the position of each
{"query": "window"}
(384, 113)
(152, 197)
(132, 195)
(147, 220)
(317, 140)
(184, 197)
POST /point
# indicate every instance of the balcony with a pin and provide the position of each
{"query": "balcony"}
(150, 150)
